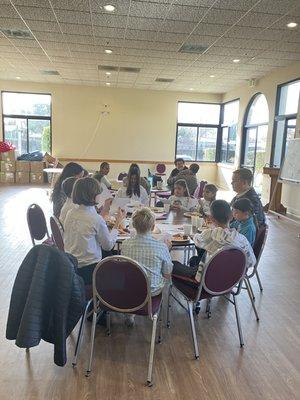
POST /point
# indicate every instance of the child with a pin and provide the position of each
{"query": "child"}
(214, 239)
(244, 222)
(151, 254)
(133, 189)
(67, 187)
(181, 199)
(86, 231)
(209, 195)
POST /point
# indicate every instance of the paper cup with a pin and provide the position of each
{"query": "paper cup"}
(195, 220)
(200, 222)
(187, 229)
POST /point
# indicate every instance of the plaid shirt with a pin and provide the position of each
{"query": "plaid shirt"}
(152, 255)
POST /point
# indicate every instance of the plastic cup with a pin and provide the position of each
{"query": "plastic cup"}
(187, 229)
(166, 208)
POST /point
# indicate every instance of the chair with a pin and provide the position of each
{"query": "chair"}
(37, 225)
(199, 190)
(121, 285)
(160, 169)
(122, 175)
(258, 247)
(57, 231)
(222, 276)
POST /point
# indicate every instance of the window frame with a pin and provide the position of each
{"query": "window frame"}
(218, 126)
(27, 117)
(222, 125)
(280, 117)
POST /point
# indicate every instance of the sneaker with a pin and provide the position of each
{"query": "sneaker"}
(129, 320)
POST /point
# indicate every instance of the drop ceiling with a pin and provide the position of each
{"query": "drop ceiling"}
(71, 36)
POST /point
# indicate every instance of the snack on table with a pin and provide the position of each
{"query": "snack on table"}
(179, 237)
(123, 231)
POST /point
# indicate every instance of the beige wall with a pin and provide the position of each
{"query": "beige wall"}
(141, 125)
(267, 86)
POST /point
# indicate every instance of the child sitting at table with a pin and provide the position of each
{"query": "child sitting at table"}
(67, 187)
(214, 239)
(181, 199)
(153, 255)
(209, 195)
(133, 189)
(86, 232)
(244, 220)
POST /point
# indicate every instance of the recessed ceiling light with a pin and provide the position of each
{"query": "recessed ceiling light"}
(109, 8)
(108, 73)
(252, 58)
(292, 24)
(107, 84)
(18, 77)
(236, 60)
(211, 76)
(191, 89)
(108, 51)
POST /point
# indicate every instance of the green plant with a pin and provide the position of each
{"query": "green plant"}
(46, 139)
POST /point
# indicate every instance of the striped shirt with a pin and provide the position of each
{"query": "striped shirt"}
(152, 255)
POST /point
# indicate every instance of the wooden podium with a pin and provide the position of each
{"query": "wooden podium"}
(275, 191)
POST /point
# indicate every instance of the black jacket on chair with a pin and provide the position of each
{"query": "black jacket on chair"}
(47, 301)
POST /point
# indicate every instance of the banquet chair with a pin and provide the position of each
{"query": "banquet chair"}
(160, 169)
(57, 231)
(122, 175)
(199, 190)
(37, 225)
(222, 275)
(121, 285)
(258, 247)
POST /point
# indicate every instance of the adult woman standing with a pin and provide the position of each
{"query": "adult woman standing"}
(133, 188)
(58, 197)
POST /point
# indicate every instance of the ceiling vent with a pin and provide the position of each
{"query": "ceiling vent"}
(49, 72)
(164, 80)
(17, 33)
(107, 68)
(192, 48)
(131, 70)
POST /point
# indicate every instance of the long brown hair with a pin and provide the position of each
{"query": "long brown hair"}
(131, 190)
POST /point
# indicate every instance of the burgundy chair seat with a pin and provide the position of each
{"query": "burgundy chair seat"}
(189, 287)
(156, 302)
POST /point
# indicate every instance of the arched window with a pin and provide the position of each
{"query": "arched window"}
(255, 137)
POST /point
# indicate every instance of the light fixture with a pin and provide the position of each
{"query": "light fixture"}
(292, 24)
(109, 8)
(211, 76)
(107, 84)
(18, 77)
(108, 51)
(236, 60)
(252, 58)
(191, 89)
(108, 73)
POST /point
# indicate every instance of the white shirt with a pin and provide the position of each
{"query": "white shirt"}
(69, 205)
(105, 181)
(144, 199)
(85, 233)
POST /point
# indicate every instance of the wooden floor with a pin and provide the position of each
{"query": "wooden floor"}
(267, 368)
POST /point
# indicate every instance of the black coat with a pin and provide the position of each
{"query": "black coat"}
(47, 301)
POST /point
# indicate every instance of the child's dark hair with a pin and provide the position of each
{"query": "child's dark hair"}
(221, 211)
(243, 205)
(85, 173)
(194, 168)
(182, 183)
(70, 169)
(68, 185)
(211, 188)
(85, 191)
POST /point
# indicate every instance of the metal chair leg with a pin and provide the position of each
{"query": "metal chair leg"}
(169, 306)
(251, 299)
(251, 290)
(89, 368)
(259, 281)
(238, 321)
(150, 366)
(80, 334)
(208, 312)
(160, 322)
(108, 332)
(192, 322)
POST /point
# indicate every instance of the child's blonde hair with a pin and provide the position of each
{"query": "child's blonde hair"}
(143, 220)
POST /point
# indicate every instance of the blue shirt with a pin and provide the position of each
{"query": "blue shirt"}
(246, 228)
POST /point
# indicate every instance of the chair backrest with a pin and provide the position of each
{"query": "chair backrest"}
(260, 240)
(160, 168)
(121, 176)
(36, 223)
(57, 232)
(121, 285)
(224, 271)
(199, 190)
